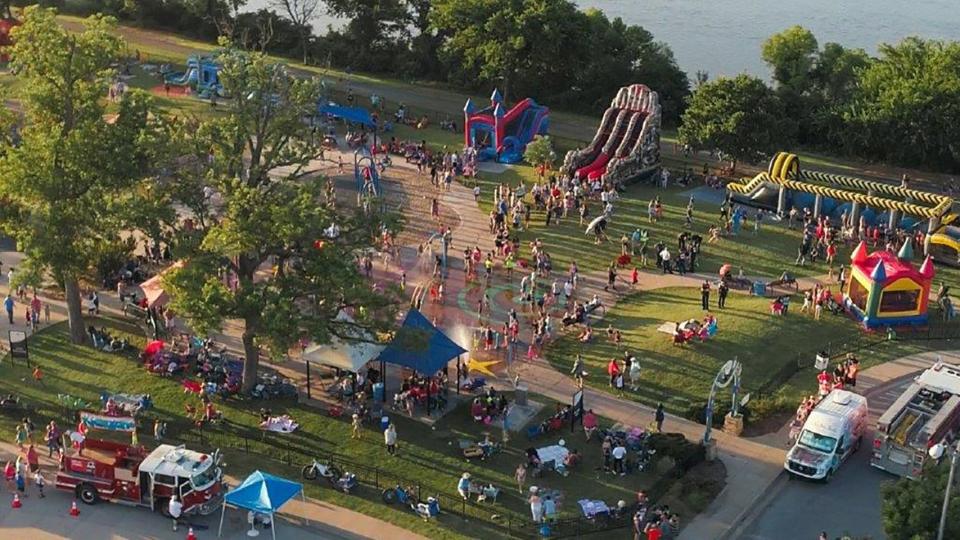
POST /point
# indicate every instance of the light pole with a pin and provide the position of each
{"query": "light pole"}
(936, 452)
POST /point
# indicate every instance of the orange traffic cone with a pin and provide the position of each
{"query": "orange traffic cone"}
(16, 501)
(190, 535)
(74, 511)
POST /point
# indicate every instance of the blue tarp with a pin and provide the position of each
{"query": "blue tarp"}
(419, 345)
(264, 493)
(356, 115)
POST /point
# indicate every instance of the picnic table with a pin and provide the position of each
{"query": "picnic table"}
(553, 453)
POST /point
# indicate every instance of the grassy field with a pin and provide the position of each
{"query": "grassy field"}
(680, 377)
(428, 454)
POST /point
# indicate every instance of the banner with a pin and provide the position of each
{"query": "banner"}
(108, 423)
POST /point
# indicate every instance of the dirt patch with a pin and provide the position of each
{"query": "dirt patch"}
(768, 424)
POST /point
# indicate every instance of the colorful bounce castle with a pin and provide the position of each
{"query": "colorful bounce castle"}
(627, 144)
(500, 134)
(886, 289)
(202, 76)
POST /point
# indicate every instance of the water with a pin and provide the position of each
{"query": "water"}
(724, 37)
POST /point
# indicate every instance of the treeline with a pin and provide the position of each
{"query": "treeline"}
(900, 107)
(546, 49)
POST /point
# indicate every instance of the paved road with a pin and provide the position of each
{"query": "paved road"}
(849, 503)
(48, 519)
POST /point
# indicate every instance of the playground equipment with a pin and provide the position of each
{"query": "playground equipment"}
(835, 195)
(626, 146)
(365, 172)
(202, 75)
(500, 134)
(886, 289)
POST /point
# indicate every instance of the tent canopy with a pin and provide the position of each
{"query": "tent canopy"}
(346, 355)
(262, 492)
(356, 115)
(419, 345)
(153, 287)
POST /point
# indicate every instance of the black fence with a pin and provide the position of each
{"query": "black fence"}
(373, 481)
(835, 350)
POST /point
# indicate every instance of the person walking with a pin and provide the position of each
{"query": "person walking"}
(722, 291)
(659, 416)
(634, 374)
(8, 305)
(578, 371)
(705, 295)
(390, 438)
(521, 475)
(40, 482)
(175, 509)
(357, 425)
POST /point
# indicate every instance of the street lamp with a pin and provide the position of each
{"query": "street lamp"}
(936, 452)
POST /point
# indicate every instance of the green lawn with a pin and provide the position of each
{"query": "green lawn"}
(680, 377)
(430, 455)
(766, 254)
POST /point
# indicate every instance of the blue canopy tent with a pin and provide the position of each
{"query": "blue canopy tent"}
(357, 115)
(261, 493)
(422, 347)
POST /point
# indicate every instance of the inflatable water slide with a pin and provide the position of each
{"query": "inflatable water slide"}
(626, 146)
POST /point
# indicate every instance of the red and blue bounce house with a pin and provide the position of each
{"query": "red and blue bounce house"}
(500, 134)
(886, 289)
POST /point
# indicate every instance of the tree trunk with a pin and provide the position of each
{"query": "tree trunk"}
(251, 354)
(303, 45)
(78, 331)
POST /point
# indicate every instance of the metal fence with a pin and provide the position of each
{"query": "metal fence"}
(837, 349)
(492, 517)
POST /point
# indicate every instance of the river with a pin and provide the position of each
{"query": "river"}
(724, 37)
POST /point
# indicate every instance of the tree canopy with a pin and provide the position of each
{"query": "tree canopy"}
(906, 108)
(268, 257)
(740, 116)
(911, 508)
(77, 178)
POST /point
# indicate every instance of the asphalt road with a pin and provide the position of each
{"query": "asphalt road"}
(850, 503)
(49, 519)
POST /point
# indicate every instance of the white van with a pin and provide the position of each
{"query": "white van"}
(832, 432)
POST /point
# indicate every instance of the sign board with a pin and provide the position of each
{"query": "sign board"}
(576, 409)
(18, 345)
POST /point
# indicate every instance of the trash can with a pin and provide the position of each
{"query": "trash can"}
(378, 392)
(520, 394)
(384, 422)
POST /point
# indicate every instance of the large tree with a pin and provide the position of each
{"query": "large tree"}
(369, 38)
(911, 508)
(740, 116)
(265, 259)
(71, 186)
(791, 55)
(301, 14)
(906, 108)
(519, 45)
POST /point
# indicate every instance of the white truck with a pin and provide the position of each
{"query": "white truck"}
(927, 413)
(833, 430)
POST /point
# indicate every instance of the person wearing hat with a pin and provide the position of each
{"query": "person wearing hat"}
(463, 486)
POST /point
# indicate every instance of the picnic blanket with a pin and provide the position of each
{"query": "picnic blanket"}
(591, 508)
(280, 424)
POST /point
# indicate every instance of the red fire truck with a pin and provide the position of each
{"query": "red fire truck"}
(117, 472)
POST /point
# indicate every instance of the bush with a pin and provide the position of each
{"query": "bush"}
(686, 454)
(698, 413)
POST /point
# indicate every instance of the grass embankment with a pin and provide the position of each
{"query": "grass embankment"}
(430, 457)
